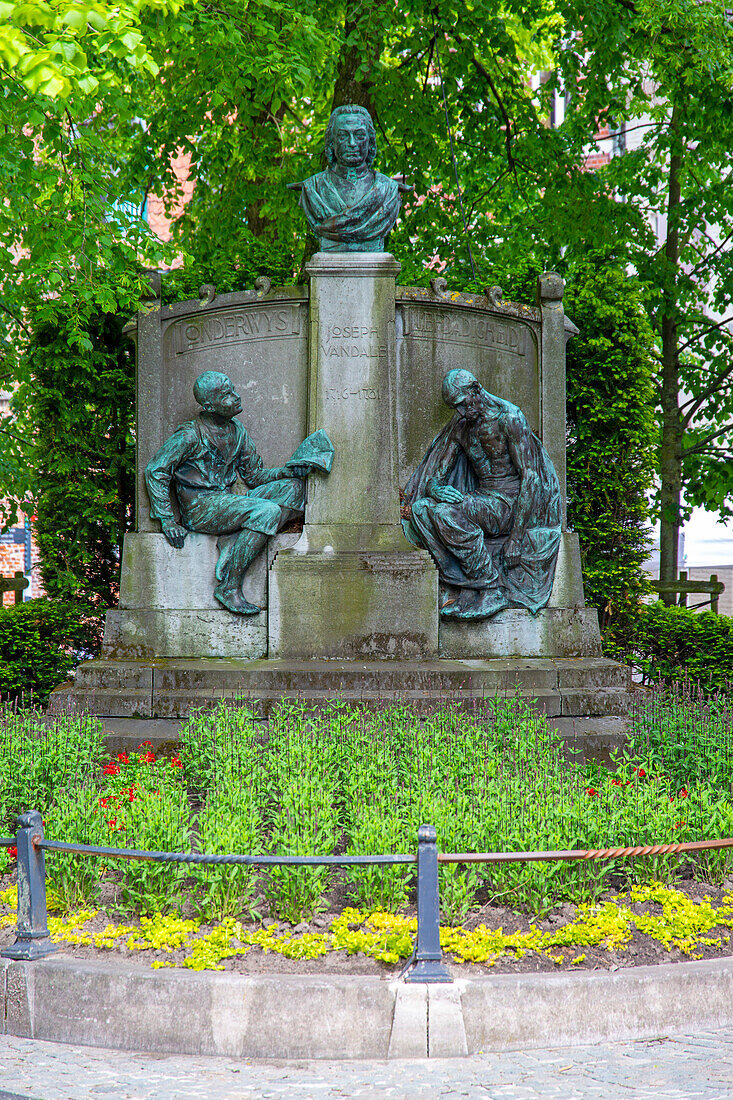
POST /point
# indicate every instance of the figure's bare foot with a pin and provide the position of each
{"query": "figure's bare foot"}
(455, 601)
(485, 603)
(235, 601)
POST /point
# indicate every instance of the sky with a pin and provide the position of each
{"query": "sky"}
(707, 541)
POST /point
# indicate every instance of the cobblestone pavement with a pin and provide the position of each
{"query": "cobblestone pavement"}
(677, 1068)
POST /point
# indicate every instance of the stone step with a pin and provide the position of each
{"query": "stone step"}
(441, 675)
(173, 688)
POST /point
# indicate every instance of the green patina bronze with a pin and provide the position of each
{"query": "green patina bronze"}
(485, 501)
(349, 206)
(202, 461)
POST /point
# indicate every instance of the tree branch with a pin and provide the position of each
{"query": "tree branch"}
(708, 259)
(705, 331)
(12, 435)
(702, 445)
(695, 403)
(6, 309)
(484, 72)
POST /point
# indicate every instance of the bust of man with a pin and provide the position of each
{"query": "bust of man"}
(350, 207)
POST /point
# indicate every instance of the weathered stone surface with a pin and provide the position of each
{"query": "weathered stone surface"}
(352, 393)
(260, 343)
(154, 575)
(555, 331)
(99, 1005)
(552, 632)
(367, 605)
(353, 587)
(176, 687)
(167, 607)
(446, 1030)
(567, 587)
(438, 334)
(409, 1035)
(18, 1014)
(186, 633)
(593, 672)
(601, 701)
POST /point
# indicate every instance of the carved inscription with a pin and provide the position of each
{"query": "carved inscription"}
(351, 342)
(235, 326)
(365, 393)
(426, 324)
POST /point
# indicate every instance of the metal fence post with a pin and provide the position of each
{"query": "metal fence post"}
(32, 938)
(429, 965)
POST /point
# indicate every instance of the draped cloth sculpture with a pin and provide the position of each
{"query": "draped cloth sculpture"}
(485, 501)
(349, 207)
(203, 460)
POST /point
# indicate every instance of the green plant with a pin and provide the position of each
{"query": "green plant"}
(222, 737)
(674, 641)
(39, 759)
(76, 817)
(41, 640)
(153, 821)
(611, 438)
(230, 823)
(301, 773)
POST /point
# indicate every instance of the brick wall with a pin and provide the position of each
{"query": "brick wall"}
(13, 545)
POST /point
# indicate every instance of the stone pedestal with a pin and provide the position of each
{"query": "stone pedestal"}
(353, 587)
(167, 606)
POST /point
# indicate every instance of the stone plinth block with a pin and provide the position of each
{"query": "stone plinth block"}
(176, 687)
(184, 633)
(167, 606)
(567, 588)
(552, 632)
(157, 576)
(353, 605)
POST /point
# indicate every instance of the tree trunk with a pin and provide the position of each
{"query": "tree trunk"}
(671, 446)
(353, 86)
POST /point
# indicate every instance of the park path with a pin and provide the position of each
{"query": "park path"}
(675, 1068)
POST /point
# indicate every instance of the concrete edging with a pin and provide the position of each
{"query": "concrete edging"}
(126, 1007)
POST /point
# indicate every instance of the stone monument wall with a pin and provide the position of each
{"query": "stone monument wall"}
(261, 344)
(435, 335)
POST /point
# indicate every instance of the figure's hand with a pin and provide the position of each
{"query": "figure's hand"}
(297, 471)
(512, 552)
(446, 494)
(175, 535)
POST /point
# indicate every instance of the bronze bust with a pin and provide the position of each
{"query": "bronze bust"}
(350, 207)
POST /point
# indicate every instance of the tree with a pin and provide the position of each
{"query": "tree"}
(672, 82)
(245, 94)
(610, 424)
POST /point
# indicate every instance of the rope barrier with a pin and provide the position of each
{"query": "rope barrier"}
(7, 841)
(585, 853)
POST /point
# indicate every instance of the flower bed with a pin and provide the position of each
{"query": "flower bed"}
(358, 782)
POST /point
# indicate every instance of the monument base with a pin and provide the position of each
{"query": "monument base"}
(182, 632)
(552, 632)
(583, 686)
(167, 606)
(356, 605)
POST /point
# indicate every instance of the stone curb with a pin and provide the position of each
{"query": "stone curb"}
(124, 1007)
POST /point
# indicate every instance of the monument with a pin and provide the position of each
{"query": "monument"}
(365, 563)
